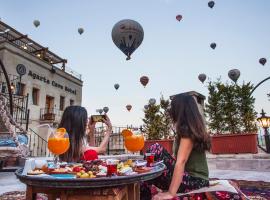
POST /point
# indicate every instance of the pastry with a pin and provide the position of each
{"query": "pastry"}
(35, 172)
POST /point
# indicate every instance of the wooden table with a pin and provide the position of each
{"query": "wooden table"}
(105, 188)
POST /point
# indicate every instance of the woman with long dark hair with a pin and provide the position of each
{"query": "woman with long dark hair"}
(75, 121)
(189, 169)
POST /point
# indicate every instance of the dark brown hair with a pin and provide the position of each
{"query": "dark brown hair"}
(189, 122)
(74, 120)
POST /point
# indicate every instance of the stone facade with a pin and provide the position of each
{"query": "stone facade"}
(50, 83)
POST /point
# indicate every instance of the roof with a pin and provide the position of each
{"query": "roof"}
(22, 41)
(192, 93)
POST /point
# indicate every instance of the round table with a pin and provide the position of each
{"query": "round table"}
(84, 188)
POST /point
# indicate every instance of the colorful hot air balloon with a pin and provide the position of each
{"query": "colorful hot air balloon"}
(211, 4)
(36, 23)
(262, 61)
(178, 17)
(80, 30)
(213, 45)
(144, 80)
(106, 109)
(116, 86)
(128, 107)
(234, 74)
(127, 35)
(152, 101)
(202, 77)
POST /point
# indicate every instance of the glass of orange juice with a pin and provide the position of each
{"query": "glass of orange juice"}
(58, 143)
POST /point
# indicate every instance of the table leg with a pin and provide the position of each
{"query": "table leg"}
(51, 196)
(134, 191)
(64, 196)
(30, 195)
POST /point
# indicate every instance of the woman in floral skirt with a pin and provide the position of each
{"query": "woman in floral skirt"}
(188, 170)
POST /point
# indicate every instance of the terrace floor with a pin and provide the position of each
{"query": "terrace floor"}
(248, 167)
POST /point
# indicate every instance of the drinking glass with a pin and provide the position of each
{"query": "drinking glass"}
(150, 159)
(112, 167)
(58, 143)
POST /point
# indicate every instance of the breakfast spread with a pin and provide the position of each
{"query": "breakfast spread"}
(96, 168)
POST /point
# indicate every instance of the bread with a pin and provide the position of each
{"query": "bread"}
(35, 172)
(142, 169)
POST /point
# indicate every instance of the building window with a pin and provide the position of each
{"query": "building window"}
(71, 102)
(35, 96)
(3, 89)
(62, 103)
(20, 89)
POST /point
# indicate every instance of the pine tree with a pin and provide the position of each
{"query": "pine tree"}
(166, 119)
(213, 108)
(157, 123)
(230, 108)
(246, 108)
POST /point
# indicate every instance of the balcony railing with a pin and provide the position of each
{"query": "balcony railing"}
(50, 114)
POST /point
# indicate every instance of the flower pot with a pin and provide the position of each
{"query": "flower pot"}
(234, 143)
(166, 143)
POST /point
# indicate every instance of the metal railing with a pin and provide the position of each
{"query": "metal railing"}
(37, 145)
(31, 47)
(73, 73)
(50, 114)
(20, 108)
(116, 142)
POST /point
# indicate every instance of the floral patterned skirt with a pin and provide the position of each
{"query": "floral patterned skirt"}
(189, 183)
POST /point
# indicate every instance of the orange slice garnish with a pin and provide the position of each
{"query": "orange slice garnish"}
(126, 132)
(60, 132)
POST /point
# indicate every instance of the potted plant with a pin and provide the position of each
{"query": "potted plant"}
(231, 118)
(157, 125)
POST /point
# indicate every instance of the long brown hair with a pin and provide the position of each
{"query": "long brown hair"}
(74, 120)
(189, 122)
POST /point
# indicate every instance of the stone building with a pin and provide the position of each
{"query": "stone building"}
(46, 85)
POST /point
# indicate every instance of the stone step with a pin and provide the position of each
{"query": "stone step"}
(262, 165)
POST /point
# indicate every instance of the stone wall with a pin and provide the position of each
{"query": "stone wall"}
(12, 56)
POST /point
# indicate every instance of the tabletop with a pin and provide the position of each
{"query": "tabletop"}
(50, 181)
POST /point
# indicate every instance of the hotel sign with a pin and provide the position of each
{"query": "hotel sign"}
(49, 82)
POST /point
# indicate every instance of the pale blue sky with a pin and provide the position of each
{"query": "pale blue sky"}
(172, 54)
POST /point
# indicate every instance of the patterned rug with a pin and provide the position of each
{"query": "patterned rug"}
(254, 190)
(258, 190)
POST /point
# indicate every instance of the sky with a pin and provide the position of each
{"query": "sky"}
(172, 53)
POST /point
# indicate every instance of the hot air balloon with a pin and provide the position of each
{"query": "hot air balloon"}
(128, 107)
(144, 80)
(234, 74)
(211, 4)
(36, 23)
(127, 35)
(178, 17)
(116, 86)
(202, 77)
(152, 101)
(100, 111)
(106, 109)
(262, 61)
(80, 30)
(146, 107)
(213, 45)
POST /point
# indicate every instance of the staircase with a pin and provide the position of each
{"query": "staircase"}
(13, 138)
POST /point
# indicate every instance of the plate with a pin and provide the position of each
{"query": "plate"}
(63, 176)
